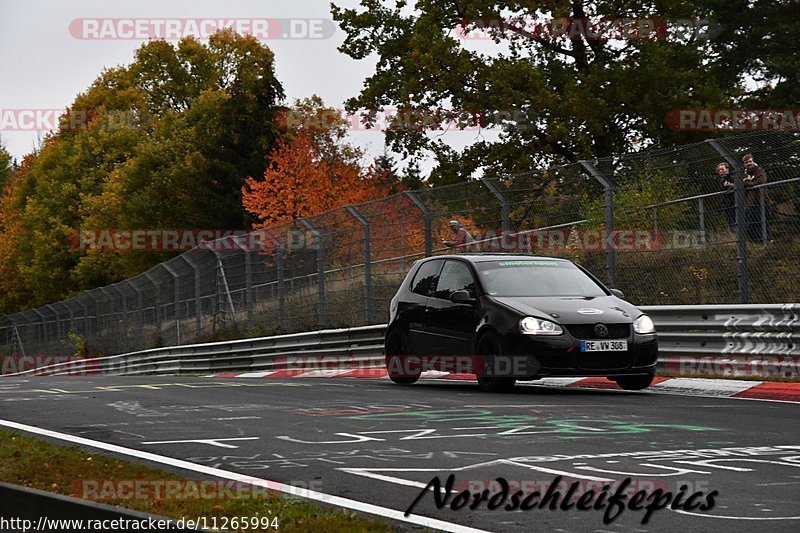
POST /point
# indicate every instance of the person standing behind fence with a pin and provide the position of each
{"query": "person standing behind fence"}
(755, 175)
(729, 199)
(462, 240)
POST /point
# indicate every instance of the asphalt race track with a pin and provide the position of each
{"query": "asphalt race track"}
(379, 443)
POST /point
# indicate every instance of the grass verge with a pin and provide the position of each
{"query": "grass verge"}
(69, 470)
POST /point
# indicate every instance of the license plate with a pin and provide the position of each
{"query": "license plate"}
(604, 346)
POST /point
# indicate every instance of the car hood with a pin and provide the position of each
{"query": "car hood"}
(573, 310)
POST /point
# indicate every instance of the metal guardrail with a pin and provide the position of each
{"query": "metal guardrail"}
(727, 329)
(729, 340)
(361, 344)
(754, 340)
(28, 504)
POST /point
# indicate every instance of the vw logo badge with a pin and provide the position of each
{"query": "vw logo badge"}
(590, 311)
(601, 330)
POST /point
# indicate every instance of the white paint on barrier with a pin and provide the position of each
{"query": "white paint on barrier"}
(300, 492)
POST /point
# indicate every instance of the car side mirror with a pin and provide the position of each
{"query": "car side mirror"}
(618, 293)
(461, 297)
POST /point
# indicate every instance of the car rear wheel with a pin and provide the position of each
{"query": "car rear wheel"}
(489, 348)
(635, 382)
(396, 351)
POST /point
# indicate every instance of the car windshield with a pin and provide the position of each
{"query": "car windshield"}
(536, 277)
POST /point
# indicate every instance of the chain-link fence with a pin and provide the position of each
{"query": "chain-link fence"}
(657, 225)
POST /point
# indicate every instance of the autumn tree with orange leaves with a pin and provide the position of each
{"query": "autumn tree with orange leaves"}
(313, 171)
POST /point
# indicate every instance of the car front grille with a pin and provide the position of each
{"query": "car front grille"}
(586, 331)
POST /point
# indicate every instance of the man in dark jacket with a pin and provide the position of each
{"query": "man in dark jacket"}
(755, 175)
(729, 199)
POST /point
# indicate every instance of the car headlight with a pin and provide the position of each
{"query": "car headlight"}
(534, 326)
(644, 324)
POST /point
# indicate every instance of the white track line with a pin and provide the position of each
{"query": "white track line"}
(271, 485)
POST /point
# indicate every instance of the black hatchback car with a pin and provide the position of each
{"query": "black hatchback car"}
(515, 317)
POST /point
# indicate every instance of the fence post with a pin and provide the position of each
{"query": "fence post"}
(85, 312)
(426, 215)
(655, 221)
(71, 313)
(15, 338)
(367, 263)
(126, 327)
(320, 270)
(64, 331)
(29, 342)
(96, 317)
(57, 329)
(608, 188)
(157, 312)
(741, 222)
(40, 329)
(503, 204)
(762, 205)
(222, 280)
(117, 322)
(198, 303)
(248, 280)
(701, 209)
(175, 299)
(139, 304)
(110, 324)
(279, 276)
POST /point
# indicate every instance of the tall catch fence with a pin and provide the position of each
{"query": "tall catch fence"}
(653, 224)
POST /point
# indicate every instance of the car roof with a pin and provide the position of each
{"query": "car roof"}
(494, 256)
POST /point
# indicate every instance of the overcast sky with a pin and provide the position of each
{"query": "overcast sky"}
(45, 63)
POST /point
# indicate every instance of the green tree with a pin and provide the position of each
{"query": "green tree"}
(396, 180)
(751, 43)
(165, 142)
(6, 166)
(568, 98)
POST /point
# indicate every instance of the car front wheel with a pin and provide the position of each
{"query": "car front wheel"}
(489, 348)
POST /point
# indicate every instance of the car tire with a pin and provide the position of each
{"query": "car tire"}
(489, 347)
(394, 347)
(639, 382)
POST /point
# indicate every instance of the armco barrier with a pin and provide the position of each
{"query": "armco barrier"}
(28, 508)
(729, 340)
(363, 345)
(732, 340)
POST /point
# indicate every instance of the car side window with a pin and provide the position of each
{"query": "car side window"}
(455, 276)
(425, 279)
